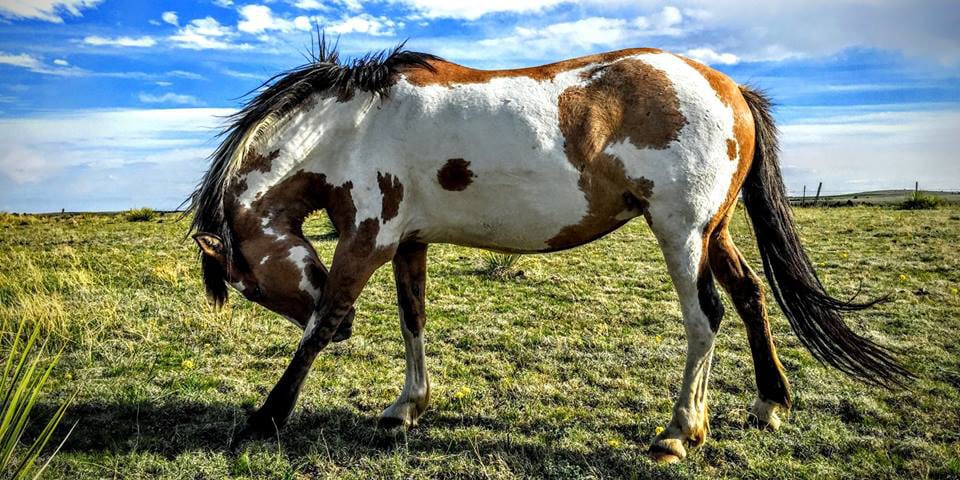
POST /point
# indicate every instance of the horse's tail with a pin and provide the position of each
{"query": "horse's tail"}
(812, 312)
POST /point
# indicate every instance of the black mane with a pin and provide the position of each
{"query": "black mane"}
(283, 93)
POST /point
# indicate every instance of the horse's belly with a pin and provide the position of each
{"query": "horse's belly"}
(515, 211)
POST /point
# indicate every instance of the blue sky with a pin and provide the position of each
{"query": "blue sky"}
(114, 104)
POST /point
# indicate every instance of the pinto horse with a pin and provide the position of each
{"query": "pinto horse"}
(404, 149)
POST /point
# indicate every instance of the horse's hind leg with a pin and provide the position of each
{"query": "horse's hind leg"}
(410, 273)
(682, 249)
(746, 291)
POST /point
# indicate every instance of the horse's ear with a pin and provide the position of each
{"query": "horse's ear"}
(211, 246)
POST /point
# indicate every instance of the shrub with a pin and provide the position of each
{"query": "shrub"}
(921, 201)
(24, 375)
(144, 214)
(500, 265)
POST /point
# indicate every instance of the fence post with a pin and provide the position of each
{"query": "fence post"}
(803, 199)
(817, 199)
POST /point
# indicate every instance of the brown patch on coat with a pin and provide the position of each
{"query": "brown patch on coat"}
(392, 191)
(630, 101)
(455, 175)
(255, 161)
(447, 73)
(731, 149)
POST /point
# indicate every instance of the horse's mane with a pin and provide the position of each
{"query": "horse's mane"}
(279, 96)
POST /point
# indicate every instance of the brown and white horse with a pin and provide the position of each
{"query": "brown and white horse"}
(403, 149)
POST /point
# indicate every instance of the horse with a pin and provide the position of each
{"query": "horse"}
(403, 149)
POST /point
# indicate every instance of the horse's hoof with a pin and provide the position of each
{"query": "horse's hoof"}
(345, 330)
(664, 458)
(391, 423)
(667, 450)
(342, 334)
(763, 415)
(257, 428)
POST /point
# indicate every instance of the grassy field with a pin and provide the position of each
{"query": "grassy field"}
(564, 371)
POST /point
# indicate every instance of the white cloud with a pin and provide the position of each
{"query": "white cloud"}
(710, 57)
(163, 83)
(779, 29)
(586, 33)
(856, 148)
(169, 97)
(576, 37)
(171, 18)
(259, 18)
(473, 9)
(303, 23)
(310, 5)
(25, 165)
(244, 75)
(36, 65)
(98, 159)
(223, 3)
(98, 41)
(362, 23)
(185, 74)
(46, 10)
(20, 60)
(206, 34)
(35, 147)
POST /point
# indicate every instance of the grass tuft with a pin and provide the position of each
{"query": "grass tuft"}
(144, 214)
(500, 265)
(26, 371)
(921, 201)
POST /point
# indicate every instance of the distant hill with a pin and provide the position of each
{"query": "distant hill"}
(878, 197)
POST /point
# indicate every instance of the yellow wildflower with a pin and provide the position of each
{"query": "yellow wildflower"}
(659, 430)
(462, 392)
(187, 365)
(954, 290)
(844, 255)
(614, 443)
(903, 278)
(69, 376)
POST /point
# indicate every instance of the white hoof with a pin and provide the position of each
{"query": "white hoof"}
(764, 414)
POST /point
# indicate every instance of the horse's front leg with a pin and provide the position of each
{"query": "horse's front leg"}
(410, 272)
(354, 261)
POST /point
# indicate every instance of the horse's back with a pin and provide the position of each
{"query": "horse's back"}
(550, 157)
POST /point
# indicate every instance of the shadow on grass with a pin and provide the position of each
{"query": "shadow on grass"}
(340, 434)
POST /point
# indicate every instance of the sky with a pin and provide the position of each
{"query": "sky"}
(108, 105)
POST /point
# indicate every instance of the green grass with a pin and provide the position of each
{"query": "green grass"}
(144, 214)
(564, 372)
(921, 201)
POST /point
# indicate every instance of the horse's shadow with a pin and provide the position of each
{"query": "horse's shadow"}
(338, 433)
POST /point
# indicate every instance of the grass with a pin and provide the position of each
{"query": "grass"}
(501, 265)
(921, 201)
(564, 372)
(144, 214)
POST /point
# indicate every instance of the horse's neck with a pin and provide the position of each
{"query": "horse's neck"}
(301, 143)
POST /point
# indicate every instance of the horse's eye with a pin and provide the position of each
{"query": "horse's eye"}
(257, 293)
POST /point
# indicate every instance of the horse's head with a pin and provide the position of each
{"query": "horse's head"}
(277, 269)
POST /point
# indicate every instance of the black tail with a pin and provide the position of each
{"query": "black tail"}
(813, 313)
